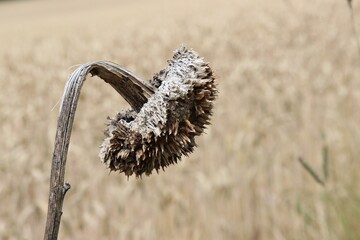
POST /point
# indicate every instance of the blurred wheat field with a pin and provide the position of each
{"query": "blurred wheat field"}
(288, 77)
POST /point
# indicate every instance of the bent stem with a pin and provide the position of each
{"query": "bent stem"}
(133, 89)
(166, 115)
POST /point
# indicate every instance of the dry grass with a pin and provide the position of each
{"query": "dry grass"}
(288, 72)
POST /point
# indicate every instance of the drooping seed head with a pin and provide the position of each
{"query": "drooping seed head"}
(165, 127)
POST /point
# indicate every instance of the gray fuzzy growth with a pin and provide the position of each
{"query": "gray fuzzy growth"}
(164, 128)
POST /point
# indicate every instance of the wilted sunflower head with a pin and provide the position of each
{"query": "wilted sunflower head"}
(164, 128)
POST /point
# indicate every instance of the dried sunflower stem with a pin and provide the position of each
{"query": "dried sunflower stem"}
(166, 115)
(129, 86)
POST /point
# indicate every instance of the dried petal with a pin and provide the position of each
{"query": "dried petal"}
(159, 132)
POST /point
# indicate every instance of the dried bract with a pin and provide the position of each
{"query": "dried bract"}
(161, 130)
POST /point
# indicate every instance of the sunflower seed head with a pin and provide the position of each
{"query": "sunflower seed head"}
(165, 127)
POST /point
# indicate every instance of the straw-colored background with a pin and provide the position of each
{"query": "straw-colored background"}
(289, 81)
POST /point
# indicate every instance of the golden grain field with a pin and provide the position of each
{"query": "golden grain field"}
(289, 86)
